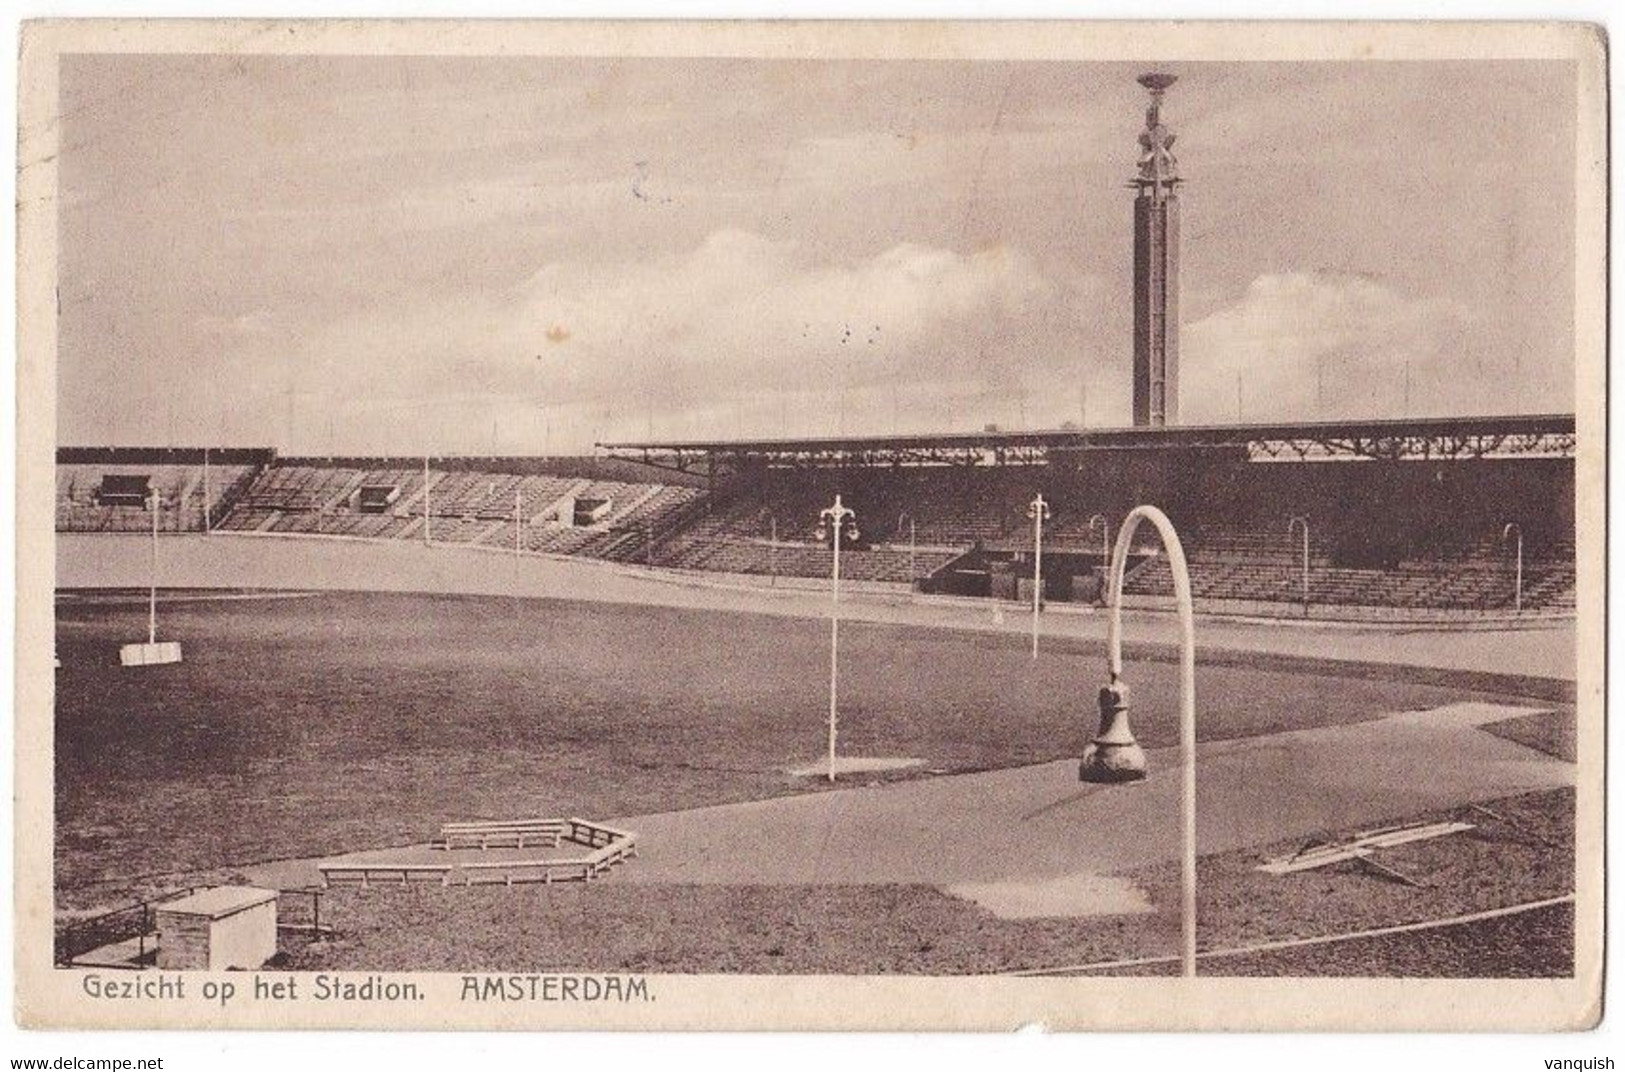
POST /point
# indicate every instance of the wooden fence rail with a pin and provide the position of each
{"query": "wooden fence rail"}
(609, 846)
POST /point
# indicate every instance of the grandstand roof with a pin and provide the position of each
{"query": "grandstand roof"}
(163, 455)
(1549, 435)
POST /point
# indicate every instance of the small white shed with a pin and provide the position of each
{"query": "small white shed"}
(217, 928)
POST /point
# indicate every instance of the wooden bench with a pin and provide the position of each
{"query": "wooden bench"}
(510, 833)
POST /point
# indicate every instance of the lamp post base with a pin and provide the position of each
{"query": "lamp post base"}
(165, 651)
(1111, 763)
(1114, 755)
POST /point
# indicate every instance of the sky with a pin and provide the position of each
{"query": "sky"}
(372, 255)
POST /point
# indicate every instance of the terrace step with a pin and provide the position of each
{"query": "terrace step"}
(133, 954)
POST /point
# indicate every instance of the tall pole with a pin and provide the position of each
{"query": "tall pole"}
(208, 522)
(835, 517)
(1038, 510)
(1291, 523)
(1105, 539)
(899, 530)
(428, 504)
(1105, 553)
(1517, 592)
(152, 601)
(834, 643)
(1517, 584)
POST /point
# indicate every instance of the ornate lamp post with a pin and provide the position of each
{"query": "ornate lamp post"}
(833, 523)
(1292, 523)
(1517, 588)
(1114, 755)
(1038, 510)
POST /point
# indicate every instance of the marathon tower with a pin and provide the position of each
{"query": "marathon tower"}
(1156, 267)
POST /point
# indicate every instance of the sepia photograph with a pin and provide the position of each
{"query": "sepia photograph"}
(782, 526)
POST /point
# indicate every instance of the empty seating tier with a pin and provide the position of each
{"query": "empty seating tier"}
(1401, 535)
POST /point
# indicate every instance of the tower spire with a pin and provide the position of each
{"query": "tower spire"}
(1156, 266)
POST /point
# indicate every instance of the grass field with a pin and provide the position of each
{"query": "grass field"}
(312, 725)
(854, 929)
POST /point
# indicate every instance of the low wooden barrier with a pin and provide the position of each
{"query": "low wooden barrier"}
(595, 835)
(569, 869)
(609, 847)
(514, 872)
(364, 875)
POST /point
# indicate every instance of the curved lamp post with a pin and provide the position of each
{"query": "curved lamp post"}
(1105, 551)
(836, 521)
(1114, 756)
(1038, 510)
(1105, 538)
(1517, 589)
(1292, 523)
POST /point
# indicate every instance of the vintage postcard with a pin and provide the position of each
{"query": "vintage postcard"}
(789, 525)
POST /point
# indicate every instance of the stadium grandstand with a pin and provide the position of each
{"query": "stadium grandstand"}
(111, 489)
(1446, 514)
(1406, 514)
(1442, 514)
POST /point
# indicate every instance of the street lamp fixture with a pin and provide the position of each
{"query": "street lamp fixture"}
(428, 504)
(1114, 755)
(1105, 538)
(152, 653)
(834, 523)
(911, 541)
(773, 548)
(1038, 510)
(1294, 522)
(1105, 549)
(1511, 528)
(518, 524)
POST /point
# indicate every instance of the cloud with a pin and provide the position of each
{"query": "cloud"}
(1332, 345)
(739, 320)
